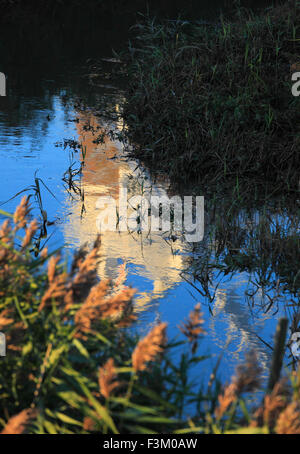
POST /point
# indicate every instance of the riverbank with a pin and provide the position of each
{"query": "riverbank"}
(213, 102)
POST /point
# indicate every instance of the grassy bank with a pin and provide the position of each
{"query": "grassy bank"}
(73, 367)
(213, 102)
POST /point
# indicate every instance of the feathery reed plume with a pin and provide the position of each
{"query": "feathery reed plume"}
(90, 309)
(6, 318)
(78, 257)
(89, 425)
(149, 347)
(86, 266)
(247, 377)
(192, 328)
(18, 424)
(44, 252)
(52, 264)
(120, 307)
(30, 231)
(5, 231)
(121, 277)
(84, 260)
(5, 251)
(83, 275)
(73, 287)
(289, 420)
(99, 306)
(226, 399)
(56, 291)
(273, 404)
(108, 378)
(15, 336)
(21, 214)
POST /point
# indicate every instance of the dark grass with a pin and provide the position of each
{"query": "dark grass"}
(213, 102)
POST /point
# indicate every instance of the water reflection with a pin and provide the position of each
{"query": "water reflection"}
(104, 173)
(169, 275)
(241, 329)
(160, 269)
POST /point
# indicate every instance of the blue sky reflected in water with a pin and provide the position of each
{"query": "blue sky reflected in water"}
(30, 131)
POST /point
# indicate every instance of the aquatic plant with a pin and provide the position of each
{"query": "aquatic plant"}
(72, 367)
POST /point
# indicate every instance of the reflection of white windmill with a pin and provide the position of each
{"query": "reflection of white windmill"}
(103, 175)
(2, 344)
(238, 327)
(2, 84)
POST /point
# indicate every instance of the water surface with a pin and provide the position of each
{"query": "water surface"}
(47, 122)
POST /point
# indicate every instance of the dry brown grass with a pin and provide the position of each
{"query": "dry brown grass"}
(192, 328)
(289, 420)
(108, 378)
(149, 347)
(18, 424)
(246, 379)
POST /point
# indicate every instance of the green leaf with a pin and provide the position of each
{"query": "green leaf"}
(72, 398)
(150, 419)
(6, 214)
(248, 431)
(55, 354)
(102, 339)
(245, 411)
(189, 430)
(50, 427)
(127, 403)
(100, 410)
(81, 348)
(27, 348)
(154, 396)
(160, 419)
(67, 419)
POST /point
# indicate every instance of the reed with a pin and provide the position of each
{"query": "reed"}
(71, 366)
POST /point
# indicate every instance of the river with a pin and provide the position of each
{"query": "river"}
(48, 124)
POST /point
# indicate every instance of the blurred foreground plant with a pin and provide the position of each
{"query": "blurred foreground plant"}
(72, 367)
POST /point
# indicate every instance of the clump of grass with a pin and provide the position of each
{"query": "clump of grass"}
(71, 367)
(214, 102)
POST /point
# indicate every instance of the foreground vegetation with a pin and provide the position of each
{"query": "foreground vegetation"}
(72, 366)
(213, 102)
